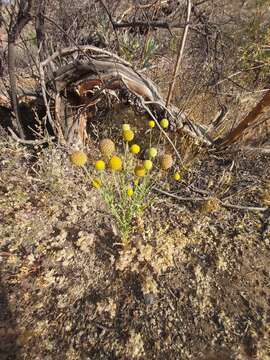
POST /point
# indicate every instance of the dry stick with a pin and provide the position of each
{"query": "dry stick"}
(262, 150)
(112, 22)
(252, 116)
(180, 54)
(163, 132)
(28, 142)
(43, 88)
(226, 205)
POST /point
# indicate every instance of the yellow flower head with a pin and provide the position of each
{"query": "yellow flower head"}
(130, 191)
(125, 127)
(166, 161)
(139, 171)
(151, 124)
(164, 123)
(135, 149)
(128, 135)
(177, 176)
(115, 163)
(107, 147)
(78, 158)
(152, 152)
(147, 164)
(100, 165)
(96, 183)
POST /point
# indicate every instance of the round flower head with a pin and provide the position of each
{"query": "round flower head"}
(130, 191)
(151, 124)
(139, 171)
(177, 176)
(78, 158)
(147, 164)
(128, 135)
(115, 163)
(166, 161)
(135, 149)
(152, 152)
(164, 123)
(96, 183)
(100, 165)
(125, 127)
(107, 147)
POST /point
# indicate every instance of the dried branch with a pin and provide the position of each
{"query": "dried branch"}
(252, 116)
(28, 142)
(112, 22)
(224, 204)
(180, 54)
(17, 23)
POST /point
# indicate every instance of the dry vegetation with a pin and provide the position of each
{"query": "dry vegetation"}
(191, 279)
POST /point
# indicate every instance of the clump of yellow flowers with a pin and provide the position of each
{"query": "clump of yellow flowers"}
(125, 177)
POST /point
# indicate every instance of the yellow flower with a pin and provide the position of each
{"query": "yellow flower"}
(100, 165)
(96, 183)
(166, 161)
(107, 147)
(135, 149)
(164, 123)
(177, 176)
(115, 163)
(130, 191)
(152, 152)
(147, 164)
(139, 171)
(151, 124)
(78, 158)
(128, 135)
(125, 127)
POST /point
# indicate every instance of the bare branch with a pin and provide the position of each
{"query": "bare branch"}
(252, 116)
(180, 54)
(28, 142)
(226, 205)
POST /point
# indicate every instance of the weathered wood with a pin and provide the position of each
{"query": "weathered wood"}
(251, 118)
(90, 66)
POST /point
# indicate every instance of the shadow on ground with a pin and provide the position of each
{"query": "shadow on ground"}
(8, 333)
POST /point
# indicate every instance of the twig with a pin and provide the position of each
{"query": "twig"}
(43, 88)
(162, 131)
(182, 198)
(28, 142)
(180, 53)
(112, 22)
(248, 208)
(151, 24)
(197, 199)
(256, 149)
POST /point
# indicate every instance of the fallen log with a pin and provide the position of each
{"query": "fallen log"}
(92, 68)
